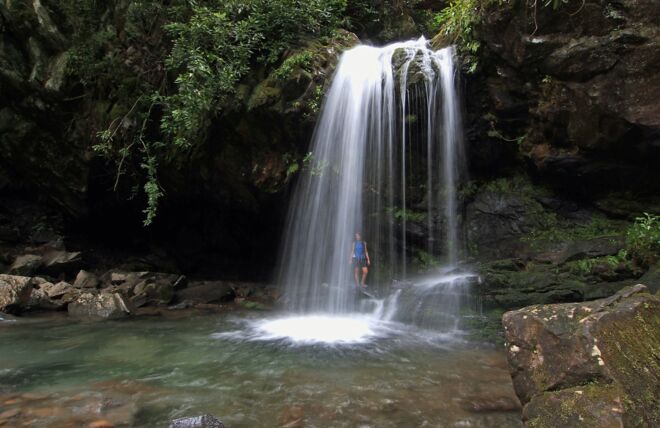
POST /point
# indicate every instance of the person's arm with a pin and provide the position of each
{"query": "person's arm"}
(366, 252)
(350, 260)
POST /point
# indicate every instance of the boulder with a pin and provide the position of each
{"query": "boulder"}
(86, 279)
(26, 265)
(155, 291)
(587, 364)
(49, 296)
(207, 292)
(57, 262)
(204, 421)
(144, 288)
(102, 305)
(39, 300)
(56, 291)
(15, 292)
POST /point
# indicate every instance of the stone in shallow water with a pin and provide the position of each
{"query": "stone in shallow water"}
(204, 421)
(14, 292)
(104, 305)
(101, 423)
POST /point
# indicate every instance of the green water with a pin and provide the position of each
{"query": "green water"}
(144, 372)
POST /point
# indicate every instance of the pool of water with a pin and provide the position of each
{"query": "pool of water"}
(250, 370)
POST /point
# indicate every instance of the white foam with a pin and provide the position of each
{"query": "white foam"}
(311, 329)
(444, 279)
(319, 329)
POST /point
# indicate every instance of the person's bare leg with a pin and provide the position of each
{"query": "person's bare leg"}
(365, 271)
(357, 279)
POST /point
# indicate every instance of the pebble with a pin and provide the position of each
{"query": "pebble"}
(101, 423)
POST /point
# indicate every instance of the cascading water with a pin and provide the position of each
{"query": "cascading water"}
(385, 161)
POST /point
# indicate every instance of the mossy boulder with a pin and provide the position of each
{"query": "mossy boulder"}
(587, 364)
(592, 405)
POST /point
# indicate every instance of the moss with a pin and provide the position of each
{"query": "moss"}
(264, 94)
(586, 266)
(593, 404)
(301, 61)
(517, 184)
(249, 304)
(630, 347)
(562, 231)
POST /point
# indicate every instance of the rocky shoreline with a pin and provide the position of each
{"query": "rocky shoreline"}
(121, 294)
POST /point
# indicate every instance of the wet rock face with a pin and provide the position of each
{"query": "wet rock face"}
(38, 153)
(493, 217)
(581, 82)
(587, 364)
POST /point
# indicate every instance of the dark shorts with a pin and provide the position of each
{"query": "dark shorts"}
(360, 263)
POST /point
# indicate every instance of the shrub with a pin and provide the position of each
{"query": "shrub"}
(643, 239)
(214, 45)
(457, 25)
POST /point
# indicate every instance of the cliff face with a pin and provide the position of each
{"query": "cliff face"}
(577, 88)
(565, 99)
(44, 150)
(564, 143)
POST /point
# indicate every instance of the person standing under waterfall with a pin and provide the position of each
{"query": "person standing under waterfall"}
(360, 260)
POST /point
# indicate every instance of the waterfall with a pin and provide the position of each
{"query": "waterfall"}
(385, 161)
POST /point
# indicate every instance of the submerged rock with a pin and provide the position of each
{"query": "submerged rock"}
(587, 364)
(15, 292)
(204, 421)
(103, 305)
